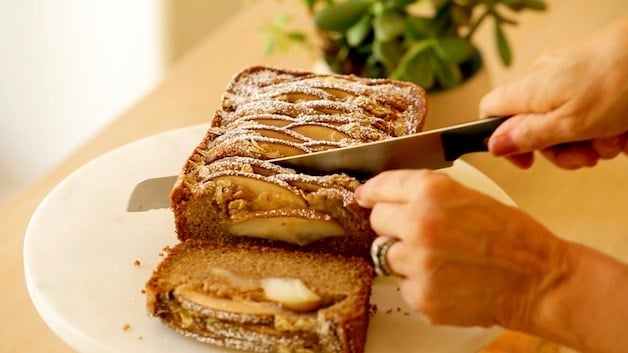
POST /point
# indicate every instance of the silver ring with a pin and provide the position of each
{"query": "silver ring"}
(378, 255)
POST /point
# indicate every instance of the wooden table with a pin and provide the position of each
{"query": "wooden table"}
(587, 206)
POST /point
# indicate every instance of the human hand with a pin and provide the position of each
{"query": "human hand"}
(571, 104)
(464, 258)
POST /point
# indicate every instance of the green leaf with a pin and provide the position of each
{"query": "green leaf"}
(357, 33)
(515, 5)
(501, 18)
(388, 53)
(441, 21)
(296, 36)
(408, 58)
(414, 66)
(341, 16)
(378, 8)
(456, 49)
(538, 5)
(399, 4)
(518, 5)
(418, 28)
(389, 25)
(503, 48)
(420, 72)
(447, 73)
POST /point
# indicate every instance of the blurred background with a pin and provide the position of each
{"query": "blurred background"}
(68, 67)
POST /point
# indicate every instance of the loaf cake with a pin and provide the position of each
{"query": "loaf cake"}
(229, 191)
(263, 299)
(272, 259)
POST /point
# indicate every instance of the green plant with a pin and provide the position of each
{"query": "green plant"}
(429, 42)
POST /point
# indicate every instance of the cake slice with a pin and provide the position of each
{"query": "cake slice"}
(228, 191)
(263, 299)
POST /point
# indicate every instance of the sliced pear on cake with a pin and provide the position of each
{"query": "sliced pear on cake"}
(276, 133)
(262, 193)
(295, 97)
(295, 228)
(275, 148)
(291, 293)
(192, 298)
(320, 132)
(338, 93)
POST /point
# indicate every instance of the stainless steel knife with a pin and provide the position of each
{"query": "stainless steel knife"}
(432, 149)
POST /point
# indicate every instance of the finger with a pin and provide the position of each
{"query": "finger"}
(529, 93)
(610, 147)
(572, 155)
(507, 99)
(395, 186)
(522, 160)
(501, 142)
(530, 132)
(393, 258)
(386, 220)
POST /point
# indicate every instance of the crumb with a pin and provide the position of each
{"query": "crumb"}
(137, 263)
(164, 251)
(406, 313)
(389, 311)
(143, 291)
(126, 327)
(372, 309)
(398, 309)
(140, 338)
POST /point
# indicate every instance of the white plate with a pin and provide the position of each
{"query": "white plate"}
(81, 251)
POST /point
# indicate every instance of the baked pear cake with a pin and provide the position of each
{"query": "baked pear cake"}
(272, 259)
(229, 191)
(263, 299)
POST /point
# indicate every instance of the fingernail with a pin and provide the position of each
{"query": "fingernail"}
(502, 145)
(359, 197)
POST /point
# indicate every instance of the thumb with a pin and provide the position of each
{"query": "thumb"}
(541, 117)
(528, 132)
(510, 99)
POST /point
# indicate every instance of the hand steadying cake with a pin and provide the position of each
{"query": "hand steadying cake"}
(466, 259)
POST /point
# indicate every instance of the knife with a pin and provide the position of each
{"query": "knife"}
(432, 149)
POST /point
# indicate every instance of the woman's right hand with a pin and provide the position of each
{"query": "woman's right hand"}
(571, 104)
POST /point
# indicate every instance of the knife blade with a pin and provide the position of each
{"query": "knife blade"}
(434, 149)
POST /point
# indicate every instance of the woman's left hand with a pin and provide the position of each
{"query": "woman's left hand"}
(463, 258)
